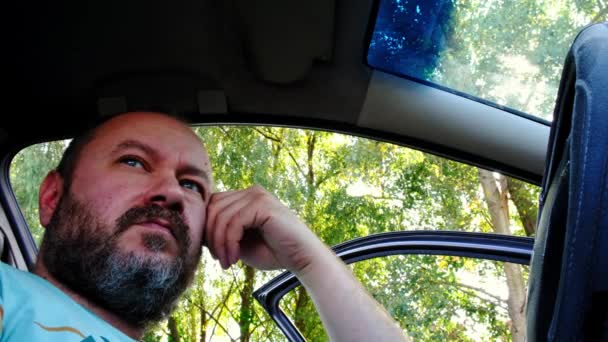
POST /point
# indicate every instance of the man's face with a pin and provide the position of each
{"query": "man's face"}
(135, 207)
(141, 159)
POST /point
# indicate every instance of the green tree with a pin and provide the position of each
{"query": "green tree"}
(28, 169)
(512, 52)
(343, 187)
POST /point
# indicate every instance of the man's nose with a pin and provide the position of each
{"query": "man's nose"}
(167, 193)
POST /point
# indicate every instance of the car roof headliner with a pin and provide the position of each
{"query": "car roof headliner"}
(215, 62)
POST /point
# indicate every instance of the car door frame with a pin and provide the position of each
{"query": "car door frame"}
(513, 249)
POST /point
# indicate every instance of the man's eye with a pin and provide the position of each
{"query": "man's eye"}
(190, 185)
(133, 162)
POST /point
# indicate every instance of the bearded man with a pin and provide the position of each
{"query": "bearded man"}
(127, 212)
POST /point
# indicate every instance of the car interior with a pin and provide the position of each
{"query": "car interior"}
(311, 65)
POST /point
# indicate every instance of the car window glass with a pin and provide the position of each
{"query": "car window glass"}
(433, 298)
(508, 53)
(343, 186)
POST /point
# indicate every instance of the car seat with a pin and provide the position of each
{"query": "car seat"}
(568, 283)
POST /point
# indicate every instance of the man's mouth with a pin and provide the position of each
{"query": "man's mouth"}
(158, 225)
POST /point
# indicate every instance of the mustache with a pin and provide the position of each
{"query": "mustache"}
(136, 215)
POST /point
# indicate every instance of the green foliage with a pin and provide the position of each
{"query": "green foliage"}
(28, 169)
(344, 187)
(512, 52)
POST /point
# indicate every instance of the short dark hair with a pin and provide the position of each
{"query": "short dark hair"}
(71, 155)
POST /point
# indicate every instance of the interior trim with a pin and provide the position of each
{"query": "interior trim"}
(401, 106)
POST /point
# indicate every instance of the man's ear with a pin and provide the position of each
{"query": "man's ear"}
(51, 190)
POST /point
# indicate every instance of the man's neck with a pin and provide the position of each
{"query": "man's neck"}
(133, 332)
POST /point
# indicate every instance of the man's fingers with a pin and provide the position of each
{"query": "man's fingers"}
(234, 234)
(227, 214)
(248, 217)
(217, 203)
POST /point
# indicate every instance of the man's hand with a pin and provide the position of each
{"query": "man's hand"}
(252, 225)
(255, 227)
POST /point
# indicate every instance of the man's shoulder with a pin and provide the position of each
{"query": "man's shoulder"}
(35, 310)
(13, 279)
(10, 272)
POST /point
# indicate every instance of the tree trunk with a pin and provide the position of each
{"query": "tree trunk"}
(173, 331)
(247, 304)
(203, 314)
(200, 303)
(203, 326)
(526, 208)
(300, 312)
(496, 198)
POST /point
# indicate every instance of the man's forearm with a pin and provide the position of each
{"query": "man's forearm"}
(347, 310)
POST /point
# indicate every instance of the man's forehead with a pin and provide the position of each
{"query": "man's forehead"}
(185, 163)
(144, 120)
(158, 132)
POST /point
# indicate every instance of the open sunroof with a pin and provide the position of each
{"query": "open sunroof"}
(505, 53)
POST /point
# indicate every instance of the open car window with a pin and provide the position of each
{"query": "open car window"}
(438, 286)
(344, 187)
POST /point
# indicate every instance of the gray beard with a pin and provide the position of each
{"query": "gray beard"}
(83, 254)
(142, 289)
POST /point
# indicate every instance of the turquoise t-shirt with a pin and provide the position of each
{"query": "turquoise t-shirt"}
(31, 309)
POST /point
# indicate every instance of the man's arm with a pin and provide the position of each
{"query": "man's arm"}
(255, 227)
